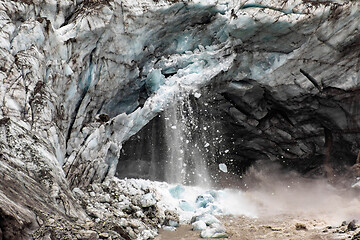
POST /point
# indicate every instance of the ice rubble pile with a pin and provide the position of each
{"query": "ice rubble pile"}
(202, 209)
(139, 207)
(136, 209)
(129, 208)
(199, 206)
(115, 209)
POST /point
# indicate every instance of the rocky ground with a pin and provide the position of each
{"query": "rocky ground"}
(284, 208)
(280, 227)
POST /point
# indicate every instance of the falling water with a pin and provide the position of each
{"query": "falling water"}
(178, 146)
(185, 162)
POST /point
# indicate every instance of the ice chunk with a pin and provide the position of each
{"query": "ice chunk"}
(147, 200)
(213, 193)
(207, 218)
(154, 80)
(213, 233)
(223, 167)
(173, 223)
(177, 192)
(197, 95)
(169, 228)
(198, 225)
(202, 201)
(185, 206)
(220, 235)
(356, 185)
(218, 226)
(207, 233)
(214, 209)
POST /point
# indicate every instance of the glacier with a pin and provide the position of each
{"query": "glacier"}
(82, 79)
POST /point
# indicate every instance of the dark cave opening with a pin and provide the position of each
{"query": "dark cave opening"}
(247, 122)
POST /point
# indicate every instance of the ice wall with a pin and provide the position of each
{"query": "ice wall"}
(86, 75)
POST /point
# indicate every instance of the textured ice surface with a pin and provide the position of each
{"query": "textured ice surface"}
(199, 225)
(129, 59)
(177, 192)
(185, 206)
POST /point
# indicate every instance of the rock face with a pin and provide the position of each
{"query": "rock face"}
(302, 132)
(32, 183)
(79, 78)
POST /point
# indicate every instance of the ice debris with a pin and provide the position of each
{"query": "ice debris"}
(198, 207)
(197, 95)
(356, 185)
(177, 192)
(147, 200)
(204, 200)
(213, 233)
(198, 225)
(184, 205)
(207, 218)
(169, 228)
(130, 206)
(223, 167)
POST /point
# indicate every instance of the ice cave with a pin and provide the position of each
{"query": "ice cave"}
(179, 119)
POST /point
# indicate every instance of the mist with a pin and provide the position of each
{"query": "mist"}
(269, 191)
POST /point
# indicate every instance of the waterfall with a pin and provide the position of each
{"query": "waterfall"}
(186, 161)
(177, 146)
